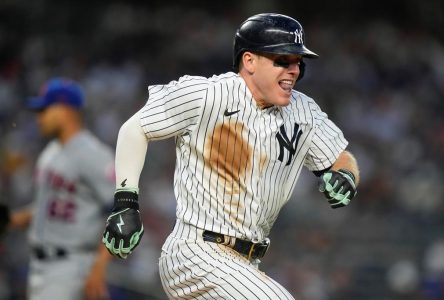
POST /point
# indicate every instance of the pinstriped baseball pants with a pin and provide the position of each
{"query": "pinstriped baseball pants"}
(193, 269)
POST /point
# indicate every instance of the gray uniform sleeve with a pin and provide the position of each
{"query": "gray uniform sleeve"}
(99, 174)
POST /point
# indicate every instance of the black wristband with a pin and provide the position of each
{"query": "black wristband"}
(321, 172)
(352, 176)
(126, 200)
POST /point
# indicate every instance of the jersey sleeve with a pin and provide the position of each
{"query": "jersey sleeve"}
(173, 109)
(327, 143)
(99, 174)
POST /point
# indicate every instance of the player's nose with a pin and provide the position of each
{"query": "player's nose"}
(293, 68)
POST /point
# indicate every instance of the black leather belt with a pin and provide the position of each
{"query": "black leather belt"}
(43, 254)
(252, 250)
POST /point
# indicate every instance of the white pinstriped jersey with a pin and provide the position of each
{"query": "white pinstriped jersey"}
(237, 164)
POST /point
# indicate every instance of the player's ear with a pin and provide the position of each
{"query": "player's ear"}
(248, 61)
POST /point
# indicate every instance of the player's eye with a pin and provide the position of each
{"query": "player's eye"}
(40, 110)
(284, 62)
(278, 62)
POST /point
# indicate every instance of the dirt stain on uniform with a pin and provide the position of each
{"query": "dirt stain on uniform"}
(262, 162)
(230, 155)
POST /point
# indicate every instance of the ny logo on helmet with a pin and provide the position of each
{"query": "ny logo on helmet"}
(298, 36)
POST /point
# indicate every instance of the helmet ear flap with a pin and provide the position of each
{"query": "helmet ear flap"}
(301, 70)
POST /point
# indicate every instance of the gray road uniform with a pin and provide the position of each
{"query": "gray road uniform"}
(74, 186)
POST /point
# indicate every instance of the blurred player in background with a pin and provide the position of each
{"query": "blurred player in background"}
(242, 139)
(74, 186)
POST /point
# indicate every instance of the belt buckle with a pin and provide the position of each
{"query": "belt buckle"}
(260, 247)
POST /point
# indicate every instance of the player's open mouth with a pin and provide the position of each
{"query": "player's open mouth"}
(286, 85)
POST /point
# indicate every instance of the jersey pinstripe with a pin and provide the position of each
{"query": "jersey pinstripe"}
(237, 164)
(193, 269)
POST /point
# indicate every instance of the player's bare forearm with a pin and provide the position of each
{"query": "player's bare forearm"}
(347, 161)
(103, 256)
(95, 285)
(20, 219)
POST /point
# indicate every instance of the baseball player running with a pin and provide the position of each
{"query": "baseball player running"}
(241, 141)
(74, 185)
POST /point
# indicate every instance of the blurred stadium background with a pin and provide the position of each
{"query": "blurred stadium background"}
(380, 76)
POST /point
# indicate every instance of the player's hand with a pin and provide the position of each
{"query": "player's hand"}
(339, 187)
(4, 218)
(124, 228)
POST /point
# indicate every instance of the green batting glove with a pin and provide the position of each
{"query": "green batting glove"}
(124, 228)
(339, 187)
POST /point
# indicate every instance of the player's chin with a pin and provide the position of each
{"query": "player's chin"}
(44, 132)
(283, 96)
(48, 132)
(283, 99)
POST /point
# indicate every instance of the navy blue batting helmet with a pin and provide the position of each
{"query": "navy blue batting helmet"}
(270, 33)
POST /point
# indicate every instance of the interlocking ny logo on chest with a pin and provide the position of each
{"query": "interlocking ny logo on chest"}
(288, 144)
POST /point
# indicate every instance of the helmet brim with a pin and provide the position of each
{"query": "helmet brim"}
(288, 49)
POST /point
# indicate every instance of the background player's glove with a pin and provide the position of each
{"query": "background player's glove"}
(338, 186)
(4, 218)
(124, 228)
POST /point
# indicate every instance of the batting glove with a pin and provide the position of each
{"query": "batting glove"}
(124, 228)
(339, 187)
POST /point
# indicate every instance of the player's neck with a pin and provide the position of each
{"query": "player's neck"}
(260, 103)
(69, 131)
